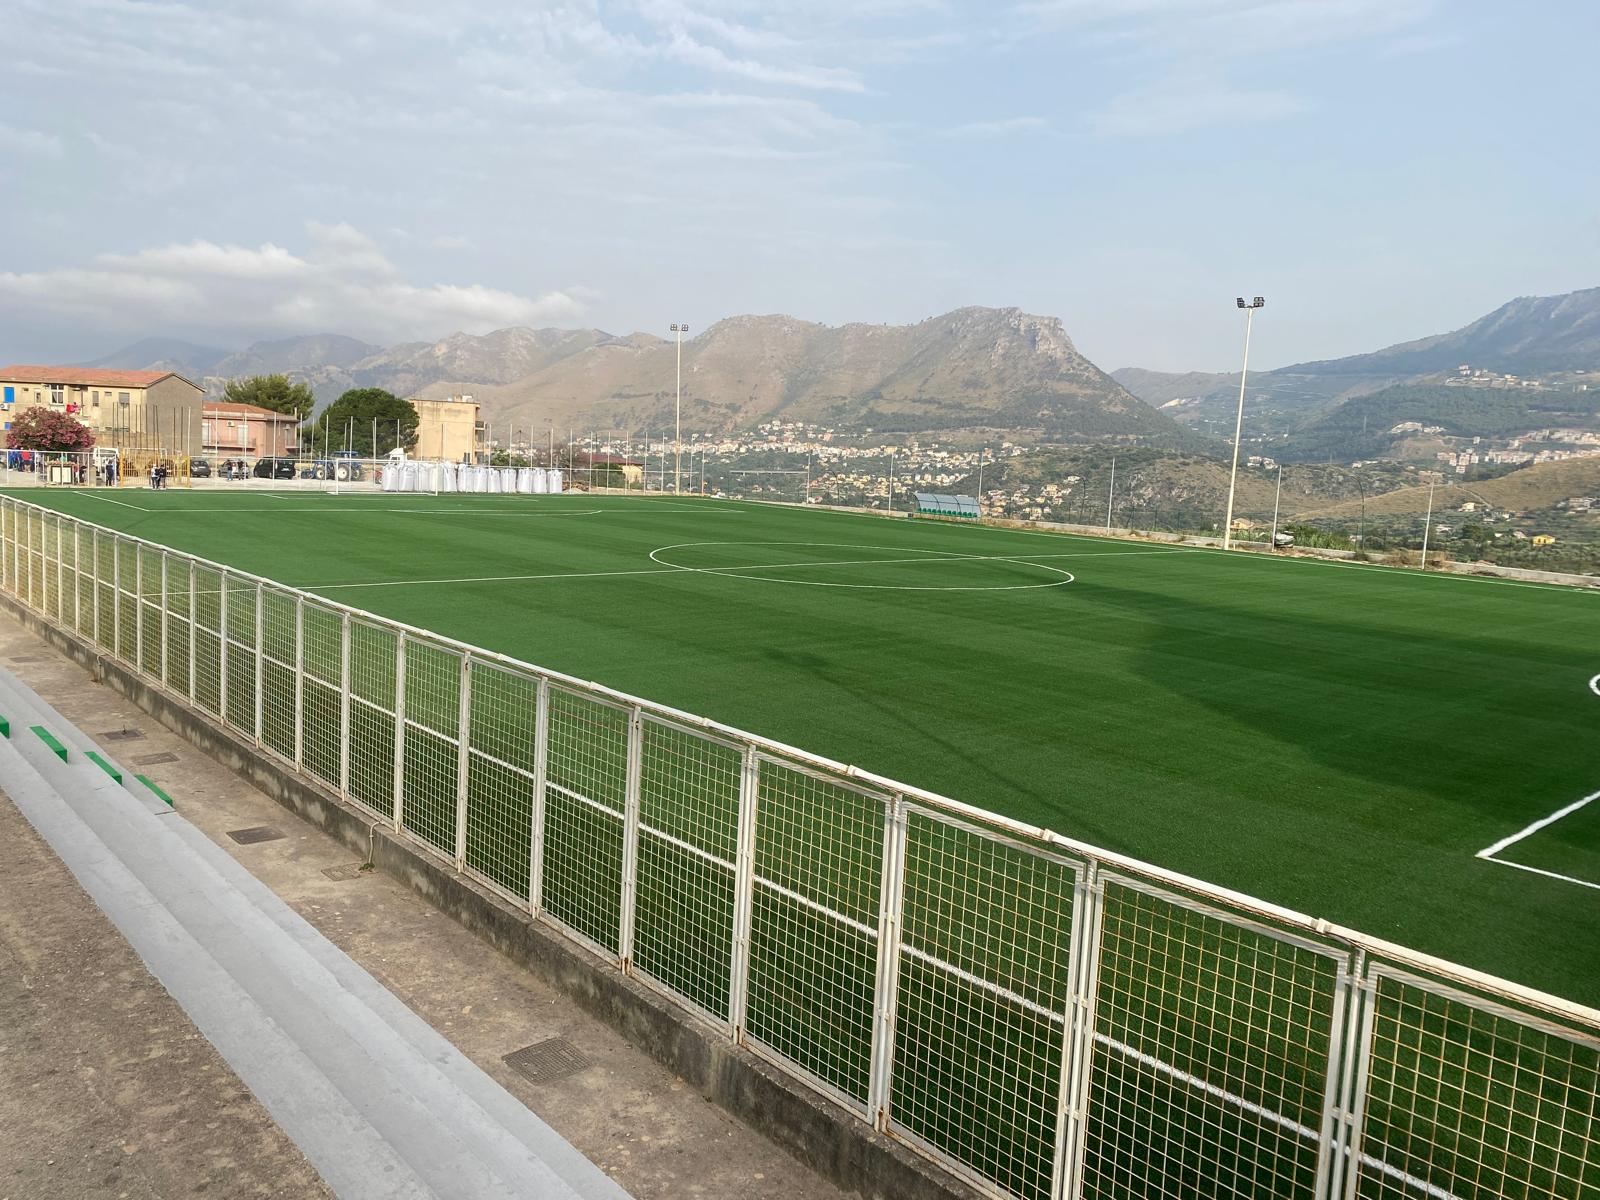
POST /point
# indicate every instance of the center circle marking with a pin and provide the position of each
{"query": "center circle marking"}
(1059, 577)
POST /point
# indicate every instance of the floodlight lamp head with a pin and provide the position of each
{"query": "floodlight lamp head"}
(1240, 301)
(1260, 302)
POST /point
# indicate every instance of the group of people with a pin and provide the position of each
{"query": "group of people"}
(158, 475)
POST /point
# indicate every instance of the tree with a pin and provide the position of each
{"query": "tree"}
(272, 391)
(41, 429)
(351, 422)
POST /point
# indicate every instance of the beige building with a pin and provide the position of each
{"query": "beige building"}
(247, 431)
(449, 429)
(156, 410)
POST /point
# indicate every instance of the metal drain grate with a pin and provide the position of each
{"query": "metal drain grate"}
(150, 760)
(547, 1061)
(344, 871)
(257, 833)
(121, 735)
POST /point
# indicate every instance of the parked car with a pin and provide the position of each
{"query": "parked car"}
(1282, 541)
(274, 468)
(233, 468)
(199, 468)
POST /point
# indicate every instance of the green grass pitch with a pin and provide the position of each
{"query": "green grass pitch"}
(1337, 738)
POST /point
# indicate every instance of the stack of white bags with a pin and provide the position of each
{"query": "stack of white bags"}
(464, 477)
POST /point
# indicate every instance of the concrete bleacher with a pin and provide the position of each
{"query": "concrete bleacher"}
(380, 1103)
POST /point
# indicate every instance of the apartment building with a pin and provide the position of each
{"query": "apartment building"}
(129, 409)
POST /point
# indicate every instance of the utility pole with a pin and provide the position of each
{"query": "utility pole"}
(679, 328)
(1238, 423)
(1273, 544)
(1112, 493)
(1427, 528)
(981, 453)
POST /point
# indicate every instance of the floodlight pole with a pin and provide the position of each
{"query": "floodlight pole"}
(679, 328)
(1427, 527)
(981, 453)
(1238, 422)
(890, 496)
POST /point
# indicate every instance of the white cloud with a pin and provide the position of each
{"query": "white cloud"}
(342, 282)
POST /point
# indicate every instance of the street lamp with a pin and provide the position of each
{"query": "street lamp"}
(679, 328)
(1238, 424)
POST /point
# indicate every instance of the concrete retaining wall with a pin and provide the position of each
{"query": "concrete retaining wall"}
(827, 1138)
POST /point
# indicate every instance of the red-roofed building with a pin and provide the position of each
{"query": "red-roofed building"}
(144, 409)
(246, 431)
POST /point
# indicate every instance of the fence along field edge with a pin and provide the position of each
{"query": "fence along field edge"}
(1270, 1050)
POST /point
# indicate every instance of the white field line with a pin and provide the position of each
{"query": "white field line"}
(1513, 839)
(673, 570)
(1594, 685)
(1504, 862)
(123, 503)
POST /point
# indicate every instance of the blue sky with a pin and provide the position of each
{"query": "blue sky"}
(1379, 169)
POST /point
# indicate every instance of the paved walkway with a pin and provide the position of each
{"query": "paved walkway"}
(649, 1132)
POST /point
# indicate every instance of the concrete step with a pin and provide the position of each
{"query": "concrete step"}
(394, 1110)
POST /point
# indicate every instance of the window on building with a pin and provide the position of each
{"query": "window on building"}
(58, 394)
(95, 398)
(123, 398)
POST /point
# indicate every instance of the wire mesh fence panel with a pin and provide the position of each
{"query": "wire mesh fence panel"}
(585, 794)
(279, 653)
(149, 589)
(688, 839)
(127, 602)
(1211, 1055)
(177, 636)
(50, 577)
(502, 729)
(87, 597)
(983, 1002)
(208, 639)
(105, 557)
(239, 631)
(814, 924)
(36, 559)
(1469, 1100)
(372, 716)
(432, 725)
(322, 660)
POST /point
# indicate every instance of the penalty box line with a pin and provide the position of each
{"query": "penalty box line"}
(1491, 853)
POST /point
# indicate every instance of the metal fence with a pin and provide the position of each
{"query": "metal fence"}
(1043, 1018)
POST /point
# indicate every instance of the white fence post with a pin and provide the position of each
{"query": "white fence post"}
(1345, 1141)
(744, 887)
(77, 577)
(541, 765)
(194, 619)
(630, 841)
(94, 549)
(116, 596)
(463, 760)
(399, 731)
(299, 680)
(344, 704)
(138, 608)
(886, 992)
(222, 645)
(1077, 1065)
(165, 622)
(261, 649)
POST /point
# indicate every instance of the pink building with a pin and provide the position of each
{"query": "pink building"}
(246, 431)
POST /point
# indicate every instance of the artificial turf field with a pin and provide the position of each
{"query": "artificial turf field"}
(1340, 739)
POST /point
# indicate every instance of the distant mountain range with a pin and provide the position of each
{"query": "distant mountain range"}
(1529, 336)
(972, 371)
